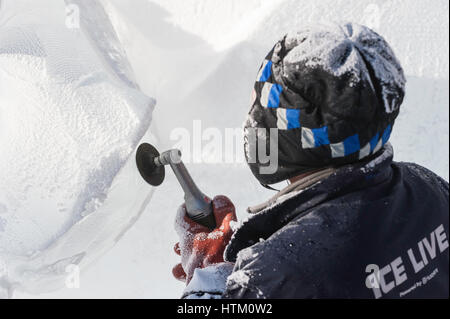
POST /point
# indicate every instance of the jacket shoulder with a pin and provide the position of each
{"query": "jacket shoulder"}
(295, 261)
(424, 175)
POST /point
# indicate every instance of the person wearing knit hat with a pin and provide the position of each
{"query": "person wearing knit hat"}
(352, 223)
(332, 92)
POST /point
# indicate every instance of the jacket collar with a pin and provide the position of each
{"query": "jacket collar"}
(344, 180)
(293, 188)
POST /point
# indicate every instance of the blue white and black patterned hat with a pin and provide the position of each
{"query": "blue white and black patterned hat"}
(333, 92)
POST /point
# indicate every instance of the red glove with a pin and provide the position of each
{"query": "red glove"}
(200, 247)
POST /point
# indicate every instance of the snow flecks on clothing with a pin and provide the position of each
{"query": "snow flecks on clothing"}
(234, 225)
(347, 50)
(241, 276)
(388, 151)
(211, 280)
(202, 296)
(248, 127)
(323, 46)
(215, 234)
(221, 202)
(181, 227)
(248, 254)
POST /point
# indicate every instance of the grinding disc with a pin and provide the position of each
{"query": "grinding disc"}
(145, 156)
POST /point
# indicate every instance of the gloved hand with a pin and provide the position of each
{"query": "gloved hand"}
(200, 247)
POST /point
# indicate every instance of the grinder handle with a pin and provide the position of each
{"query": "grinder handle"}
(198, 205)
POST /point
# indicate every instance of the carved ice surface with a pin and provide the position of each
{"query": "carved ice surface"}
(71, 116)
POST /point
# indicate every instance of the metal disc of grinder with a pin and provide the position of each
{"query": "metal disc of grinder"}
(145, 156)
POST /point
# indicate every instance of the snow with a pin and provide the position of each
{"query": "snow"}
(68, 127)
(388, 152)
(199, 58)
(241, 277)
(324, 45)
(212, 279)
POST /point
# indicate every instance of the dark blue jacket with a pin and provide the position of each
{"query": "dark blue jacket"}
(370, 230)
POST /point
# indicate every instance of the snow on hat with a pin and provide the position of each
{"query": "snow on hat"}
(333, 92)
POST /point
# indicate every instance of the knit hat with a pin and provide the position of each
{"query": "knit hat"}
(332, 91)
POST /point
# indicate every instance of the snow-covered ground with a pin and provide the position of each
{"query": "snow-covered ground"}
(199, 58)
